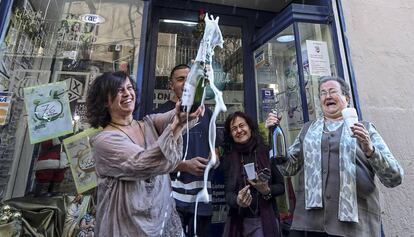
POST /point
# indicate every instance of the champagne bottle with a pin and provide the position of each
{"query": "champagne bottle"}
(194, 88)
(277, 143)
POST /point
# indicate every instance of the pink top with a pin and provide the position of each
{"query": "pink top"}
(134, 188)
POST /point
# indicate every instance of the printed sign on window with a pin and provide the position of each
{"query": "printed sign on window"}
(318, 56)
(82, 164)
(5, 101)
(48, 111)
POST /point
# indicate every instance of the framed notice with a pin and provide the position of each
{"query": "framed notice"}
(318, 57)
(82, 164)
(48, 111)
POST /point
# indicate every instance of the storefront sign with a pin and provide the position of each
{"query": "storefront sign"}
(161, 96)
(318, 56)
(259, 58)
(48, 111)
(81, 161)
(268, 99)
(92, 18)
(5, 102)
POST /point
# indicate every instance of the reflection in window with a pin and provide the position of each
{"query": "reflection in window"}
(178, 43)
(71, 41)
(278, 82)
(316, 44)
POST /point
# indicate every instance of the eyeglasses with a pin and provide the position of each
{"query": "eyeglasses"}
(330, 92)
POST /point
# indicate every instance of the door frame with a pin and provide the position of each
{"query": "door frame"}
(247, 20)
(299, 13)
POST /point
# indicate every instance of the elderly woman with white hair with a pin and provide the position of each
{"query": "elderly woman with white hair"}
(336, 167)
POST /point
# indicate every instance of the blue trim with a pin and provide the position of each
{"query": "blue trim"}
(244, 19)
(293, 13)
(141, 57)
(335, 41)
(249, 81)
(150, 61)
(304, 101)
(352, 77)
(216, 9)
(5, 9)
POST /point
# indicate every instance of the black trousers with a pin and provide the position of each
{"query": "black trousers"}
(187, 221)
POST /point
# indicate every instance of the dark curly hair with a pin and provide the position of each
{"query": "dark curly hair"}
(228, 138)
(103, 86)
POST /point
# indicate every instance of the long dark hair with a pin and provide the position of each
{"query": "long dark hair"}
(228, 138)
(102, 87)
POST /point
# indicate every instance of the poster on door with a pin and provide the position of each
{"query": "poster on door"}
(48, 111)
(318, 56)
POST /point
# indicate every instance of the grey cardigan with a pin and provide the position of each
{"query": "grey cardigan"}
(381, 163)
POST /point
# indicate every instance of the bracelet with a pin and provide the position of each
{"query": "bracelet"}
(267, 196)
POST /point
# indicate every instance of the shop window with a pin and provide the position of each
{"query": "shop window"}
(316, 39)
(277, 82)
(52, 41)
(277, 75)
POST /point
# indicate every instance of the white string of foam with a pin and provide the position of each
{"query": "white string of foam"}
(214, 38)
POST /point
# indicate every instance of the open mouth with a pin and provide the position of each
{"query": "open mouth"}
(329, 103)
(128, 101)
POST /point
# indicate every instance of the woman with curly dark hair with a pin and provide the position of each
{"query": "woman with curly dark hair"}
(133, 159)
(253, 210)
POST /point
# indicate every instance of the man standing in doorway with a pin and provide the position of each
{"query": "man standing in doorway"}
(190, 181)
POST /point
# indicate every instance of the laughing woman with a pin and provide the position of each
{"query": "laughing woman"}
(336, 167)
(253, 211)
(133, 159)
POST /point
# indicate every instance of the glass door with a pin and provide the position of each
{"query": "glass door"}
(288, 68)
(178, 43)
(318, 60)
(277, 82)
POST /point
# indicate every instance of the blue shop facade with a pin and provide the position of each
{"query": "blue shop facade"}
(272, 57)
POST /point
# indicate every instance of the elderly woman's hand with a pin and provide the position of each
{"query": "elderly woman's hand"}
(272, 120)
(362, 135)
(244, 198)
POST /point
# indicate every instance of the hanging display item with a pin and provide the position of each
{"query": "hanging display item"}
(48, 111)
(81, 161)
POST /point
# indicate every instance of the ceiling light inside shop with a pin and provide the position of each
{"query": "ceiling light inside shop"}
(187, 23)
(285, 38)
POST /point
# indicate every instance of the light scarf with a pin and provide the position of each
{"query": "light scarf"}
(348, 206)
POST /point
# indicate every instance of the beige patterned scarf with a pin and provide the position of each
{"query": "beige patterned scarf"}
(348, 206)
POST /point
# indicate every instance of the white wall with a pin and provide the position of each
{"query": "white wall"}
(381, 40)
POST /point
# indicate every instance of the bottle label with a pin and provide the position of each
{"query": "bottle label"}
(188, 95)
